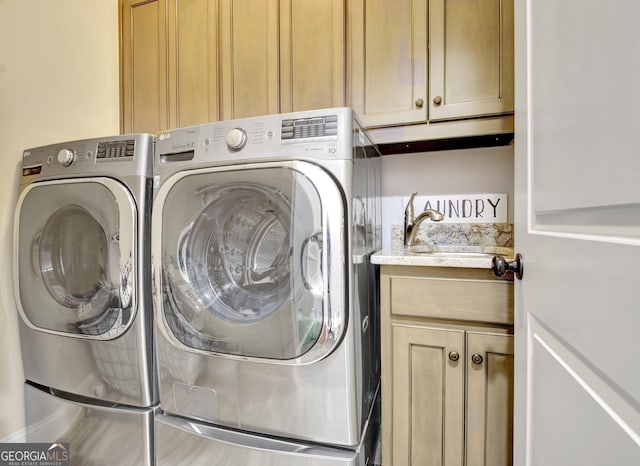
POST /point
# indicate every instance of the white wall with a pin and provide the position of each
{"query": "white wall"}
(58, 81)
(469, 171)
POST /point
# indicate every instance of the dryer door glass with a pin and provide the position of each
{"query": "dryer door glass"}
(72, 276)
(243, 262)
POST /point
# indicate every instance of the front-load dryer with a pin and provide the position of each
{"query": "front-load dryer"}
(81, 260)
(265, 298)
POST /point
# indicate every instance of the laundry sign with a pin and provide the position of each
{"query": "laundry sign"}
(465, 208)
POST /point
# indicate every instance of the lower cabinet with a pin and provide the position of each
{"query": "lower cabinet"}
(447, 385)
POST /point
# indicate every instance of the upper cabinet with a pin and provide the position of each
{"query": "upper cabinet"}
(193, 68)
(470, 58)
(143, 66)
(249, 71)
(186, 62)
(312, 54)
(424, 61)
(389, 61)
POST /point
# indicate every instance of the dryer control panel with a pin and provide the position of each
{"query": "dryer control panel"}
(122, 155)
(116, 149)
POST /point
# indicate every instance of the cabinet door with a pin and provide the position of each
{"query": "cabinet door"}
(312, 45)
(193, 62)
(489, 399)
(144, 66)
(389, 61)
(249, 58)
(427, 397)
(471, 58)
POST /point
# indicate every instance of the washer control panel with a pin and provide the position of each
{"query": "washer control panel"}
(324, 128)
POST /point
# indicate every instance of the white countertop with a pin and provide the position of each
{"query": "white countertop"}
(476, 257)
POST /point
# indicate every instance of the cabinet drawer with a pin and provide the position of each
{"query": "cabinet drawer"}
(449, 297)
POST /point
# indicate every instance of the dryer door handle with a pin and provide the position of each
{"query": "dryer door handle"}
(35, 256)
(311, 263)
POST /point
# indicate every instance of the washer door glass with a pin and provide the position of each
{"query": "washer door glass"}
(242, 262)
(72, 275)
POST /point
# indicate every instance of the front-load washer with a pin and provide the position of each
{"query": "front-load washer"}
(82, 275)
(265, 298)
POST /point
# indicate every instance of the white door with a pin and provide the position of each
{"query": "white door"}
(578, 228)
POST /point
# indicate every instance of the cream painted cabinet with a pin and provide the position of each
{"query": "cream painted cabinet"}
(489, 400)
(420, 61)
(471, 58)
(143, 60)
(224, 59)
(389, 61)
(281, 56)
(194, 62)
(312, 54)
(447, 367)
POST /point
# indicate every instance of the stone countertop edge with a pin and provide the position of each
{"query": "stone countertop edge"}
(446, 256)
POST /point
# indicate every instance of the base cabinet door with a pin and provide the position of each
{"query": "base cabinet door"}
(447, 367)
(427, 424)
(489, 423)
(451, 397)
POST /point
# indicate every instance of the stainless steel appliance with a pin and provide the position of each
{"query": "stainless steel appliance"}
(83, 293)
(265, 298)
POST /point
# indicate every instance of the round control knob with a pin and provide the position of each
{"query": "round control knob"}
(236, 139)
(66, 157)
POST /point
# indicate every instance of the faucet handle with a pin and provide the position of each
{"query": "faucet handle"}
(409, 208)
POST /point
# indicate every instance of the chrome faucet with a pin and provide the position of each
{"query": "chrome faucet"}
(411, 223)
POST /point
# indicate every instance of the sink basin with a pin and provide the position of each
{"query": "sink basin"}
(479, 257)
(461, 252)
(457, 254)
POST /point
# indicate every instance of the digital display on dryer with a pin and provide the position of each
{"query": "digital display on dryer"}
(116, 149)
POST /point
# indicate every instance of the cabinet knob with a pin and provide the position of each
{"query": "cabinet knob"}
(454, 356)
(419, 103)
(437, 100)
(476, 359)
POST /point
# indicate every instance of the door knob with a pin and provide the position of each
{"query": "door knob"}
(437, 100)
(454, 355)
(476, 358)
(419, 103)
(500, 266)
